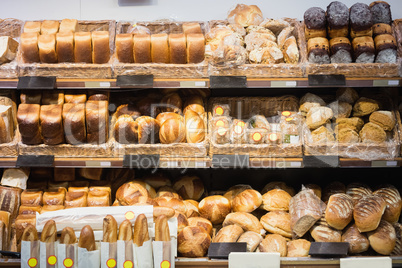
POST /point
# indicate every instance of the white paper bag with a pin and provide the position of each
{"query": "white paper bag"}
(163, 254)
(108, 254)
(143, 255)
(88, 259)
(125, 254)
(30, 254)
(48, 254)
(67, 255)
(172, 223)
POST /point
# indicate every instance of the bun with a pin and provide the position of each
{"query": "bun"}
(125, 231)
(30, 233)
(128, 193)
(87, 238)
(358, 242)
(298, 248)
(368, 212)
(141, 234)
(49, 232)
(252, 239)
(171, 202)
(245, 220)
(339, 212)
(247, 201)
(274, 243)
(214, 208)
(276, 199)
(245, 15)
(193, 242)
(162, 232)
(109, 229)
(68, 236)
(191, 208)
(201, 222)
(189, 187)
(277, 222)
(383, 239)
(228, 234)
(167, 211)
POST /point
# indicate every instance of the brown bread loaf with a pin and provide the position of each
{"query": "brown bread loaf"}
(358, 242)
(368, 212)
(339, 212)
(383, 239)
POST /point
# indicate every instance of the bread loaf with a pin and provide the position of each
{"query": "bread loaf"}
(338, 19)
(28, 122)
(274, 243)
(99, 198)
(193, 242)
(142, 48)
(228, 234)
(172, 131)
(290, 50)
(201, 222)
(277, 222)
(21, 223)
(29, 47)
(171, 202)
(372, 133)
(195, 127)
(172, 103)
(384, 119)
(65, 46)
(182, 221)
(177, 48)
(245, 15)
(358, 242)
(49, 232)
(368, 212)
(365, 106)
(252, 239)
(49, 27)
(381, 12)
(195, 48)
(74, 122)
(339, 211)
(68, 25)
(386, 48)
(398, 243)
(68, 236)
(245, 220)
(140, 234)
(341, 50)
(83, 47)
(97, 121)
(125, 231)
(162, 117)
(333, 188)
(125, 48)
(318, 116)
(100, 47)
(316, 189)
(361, 20)
(160, 48)
(191, 28)
(394, 203)
(231, 193)
(298, 248)
(162, 232)
(247, 201)
(128, 193)
(29, 197)
(323, 233)
(148, 130)
(276, 199)
(30, 234)
(47, 48)
(5, 230)
(126, 130)
(6, 124)
(47, 208)
(29, 209)
(8, 49)
(383, 239)
(278, 185)
(76, 199)
(87, 238)
(363, 49)
(32, 27)
(214, 208)
(52, 124)
(315, 23)
(189, 187)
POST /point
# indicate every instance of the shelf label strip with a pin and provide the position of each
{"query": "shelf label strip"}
(190, 84)
(35, 161)
(222, 250)
(36, 82)
(228, 81)
(258, 259)
(385, 83)
(96, 84)
(379, 163)
(326, 80)
(141, 161)
(91, 163)
(135, 81)
(283, 83)
(230, 161)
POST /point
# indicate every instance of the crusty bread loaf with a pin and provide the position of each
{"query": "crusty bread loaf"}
(87, 238)
(83, 47)
(30, 234)
(245, 15)
(142, 48)
(32, 27)
(298, 248)
(357, 191)
(247, 201)
(160, 48)
(358, 242)
(97, 121)
(100, 47)
(29, 123)
(65, 46)
(54, 197)
(31, 197)
(398, 243)
(278, 185)
(252, 239)
(125, 231)
(172, 131)
(339, 211)
(51, 123)
(49, 27)
(394, 203)
(381, 12)
(140, 234)
(231, 193)
(201, 222)
(227, 234)
(189, 187)
(324, 233)
(365, 106)
(245, 220)
(162, 232)
(128, 193)
(148, 130)
(195, 48)
(214, 208)
(383, 239)
(177, 48)
(74, 123)
(125, 130)
(274, 243)
(318, 116)
(276, 199)
(277, 222)
(49, 232)
(195, 127)
(68, 25)
(29, 47)
(68, 236)
(125, 48)
(171, 202)
(372, 133)
(333, 188)
(384, 119)
(368, 212)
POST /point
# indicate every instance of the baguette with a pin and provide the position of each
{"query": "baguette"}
(109, 229)
(162, 229)
(125, 231)
(141, 234)
(30, 233)
(168, 212)
(68, 236)
(49, 232)
(87, 238)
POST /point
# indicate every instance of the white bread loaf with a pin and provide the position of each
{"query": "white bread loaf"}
(6, 124)
(8, 49)
(52, 97)
(191, 27)
(28, 123)
(125, 48)
(195, 48)
(32, 27)
(65, 46)
(74, 123)
(97, 120)
(160, 48)
(29, 47)
(142, 48)
(49, 27)
(47, 48)
(52, 124)
(68, 25)
(177, 48)
(100, 47)
(83, 47)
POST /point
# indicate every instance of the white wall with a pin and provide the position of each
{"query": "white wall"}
(146, 10)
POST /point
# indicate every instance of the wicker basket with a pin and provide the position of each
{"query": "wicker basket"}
(74, 70)
(245, 107)
(12, 28)
(265, 70)
(160, 70)
(355, 69)
(10, 149)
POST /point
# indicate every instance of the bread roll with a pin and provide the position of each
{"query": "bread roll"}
(83, 47)
(53, 198)
(358, 242)
(160, 48)
(52, 124)
(245, 220)
(201, 222)
(191, 28)
(125, 231)
(315, 23)
(247, 201)
(193, 242)
(68, 236)
(49, 232)
(383, 239)
(30, 234)
(339, 212)
(87, 238)
(394, 203)
(32, 27)
(125, 48)
(276, 199)
(177, 48)
(29, 197)
(277, 222)
(162, 232)
(140, 234)
(65, 46)
(195, 48)
(228, 234)
(148, 130)
(274, 243)
(125, 130)
(338, 19)
(100, 47)
(368, 212)
(298, 248)
(171, 202)
(128, 193)
(372, 133)
(191, 208)
(214, 208)
(142, 48)
(29, 47)
(68, 25)
(189, 187)
(245, 15)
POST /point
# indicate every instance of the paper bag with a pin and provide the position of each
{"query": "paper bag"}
(48, 255)
(125, 254)
(67, 255)
(163, 254)
(88, 259)
(108, 255)
(143, 255)
(30, 254)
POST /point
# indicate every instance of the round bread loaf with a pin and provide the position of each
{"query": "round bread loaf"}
(368, 212)
(358, 242)
(168, 191)
(360, 17)
(316, 189)
(182, 221)
(148, 130)
(193, 242)
(298, 248)
(247, 201)
(314, 18)
(191, 208)
(214, 208)
(278, 185)
(277, 222)
(276, 199)
(125, 130)
(228, 234)
(171, 202)
(384, 119)
(201, 222)
(245, 220)
(245, 15)
(383, 239)
(189, 187)
(381, 12)
(173, 131)
(339, 212)
(171, 103)
(335, 187)
(128, 193)
(157, 180)
(398, 245)
(195, 127)
(357, 191)
(162, 117)
(194, 103)
(274, 243)
(150, 189)
(394, 203)
(252, 239)
(235, 190)
(323, 233)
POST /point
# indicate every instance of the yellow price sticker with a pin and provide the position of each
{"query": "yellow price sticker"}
(129, 215)
(52, 260)
(257, 136)
(110, 263)
(68, 263)
(32, 262)
(286, 113)
(165, 264)
(128, 264)
(219, 110)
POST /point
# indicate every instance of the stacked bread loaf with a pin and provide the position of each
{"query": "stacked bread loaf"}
(248, 38)
(369, 40)
(140, 46)
(53, 41)
(348, 119)
(174, 118)
(7, 119)
(55, 118)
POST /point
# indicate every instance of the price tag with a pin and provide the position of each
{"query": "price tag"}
(326, 80)
(384, 163)
(141, 161)
(169, 164)
(193, 164)
(36, 82)
(222, 250)
(230, 161)
(254, 260)
(385, 83)
(285, 164)
(228, 81)
(135, 81)
(366, 262)
(96, 84)
(320, 161)
(91, 163)
(283, 83)
(329, 249)
(35, 161)
(190, 84)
